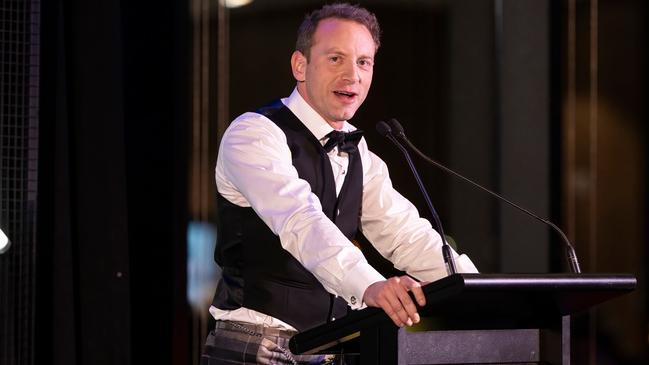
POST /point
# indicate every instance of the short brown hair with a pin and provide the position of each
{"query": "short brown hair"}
(340, 11)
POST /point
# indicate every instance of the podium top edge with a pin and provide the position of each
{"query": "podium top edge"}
(615, 282)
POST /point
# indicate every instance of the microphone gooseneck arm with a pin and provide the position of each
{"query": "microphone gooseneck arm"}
(386, 131)
(570, 250)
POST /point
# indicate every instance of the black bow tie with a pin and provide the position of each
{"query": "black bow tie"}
(346, 142)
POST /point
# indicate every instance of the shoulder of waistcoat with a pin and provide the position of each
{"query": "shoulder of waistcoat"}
(269, 109)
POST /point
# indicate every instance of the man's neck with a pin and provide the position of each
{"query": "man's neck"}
(336, 125)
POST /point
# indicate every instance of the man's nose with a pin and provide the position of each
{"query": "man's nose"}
(351, 72)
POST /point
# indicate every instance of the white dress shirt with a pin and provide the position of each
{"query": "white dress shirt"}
(254, 169)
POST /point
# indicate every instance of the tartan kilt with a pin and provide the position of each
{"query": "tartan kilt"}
(233, 343)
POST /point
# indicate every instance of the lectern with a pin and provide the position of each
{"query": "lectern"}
(473, 319)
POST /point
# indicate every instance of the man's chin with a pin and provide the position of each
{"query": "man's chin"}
(341, 119)
(344, 116)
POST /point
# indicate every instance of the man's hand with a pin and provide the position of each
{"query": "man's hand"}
(392, 296)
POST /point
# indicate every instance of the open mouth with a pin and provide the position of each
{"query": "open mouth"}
(345, 94)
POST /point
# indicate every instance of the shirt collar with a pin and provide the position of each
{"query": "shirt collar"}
(309, 117)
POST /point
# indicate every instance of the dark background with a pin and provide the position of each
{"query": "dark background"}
(502, 91)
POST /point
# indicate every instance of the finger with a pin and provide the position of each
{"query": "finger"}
(408, 305)
(419, 295)
(418, 292)
(414, 286)
(393, 297)
(387, 308)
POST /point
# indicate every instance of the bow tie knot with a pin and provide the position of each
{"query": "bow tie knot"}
(345, 141)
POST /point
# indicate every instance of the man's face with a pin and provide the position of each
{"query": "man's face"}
(338, 74)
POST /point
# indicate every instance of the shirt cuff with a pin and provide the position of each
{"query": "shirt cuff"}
(356, 281)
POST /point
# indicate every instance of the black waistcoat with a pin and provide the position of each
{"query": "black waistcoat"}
(257, 272)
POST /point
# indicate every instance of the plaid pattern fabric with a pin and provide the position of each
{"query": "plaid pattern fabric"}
(232, 343)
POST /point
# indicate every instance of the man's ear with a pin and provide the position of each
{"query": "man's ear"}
(298, 65)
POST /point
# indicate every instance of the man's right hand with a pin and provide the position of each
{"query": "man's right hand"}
(392, 296)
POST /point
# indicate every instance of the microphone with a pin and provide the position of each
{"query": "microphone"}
(571, 256)
(384, 130)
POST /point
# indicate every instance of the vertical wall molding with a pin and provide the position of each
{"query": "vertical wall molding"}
(19, 123)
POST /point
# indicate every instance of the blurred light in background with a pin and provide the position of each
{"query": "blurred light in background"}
(235, 3)
(4, 242)
(202, 271)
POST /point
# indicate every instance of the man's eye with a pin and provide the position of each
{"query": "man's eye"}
(334, 59)
(365, 63)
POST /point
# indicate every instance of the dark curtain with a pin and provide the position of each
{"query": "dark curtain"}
(112, 170)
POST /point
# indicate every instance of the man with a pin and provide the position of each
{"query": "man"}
(294, 191)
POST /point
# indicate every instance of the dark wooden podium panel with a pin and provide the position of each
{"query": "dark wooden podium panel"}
(474, 318)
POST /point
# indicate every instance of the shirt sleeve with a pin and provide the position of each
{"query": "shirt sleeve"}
(254, 168)
(393, 225)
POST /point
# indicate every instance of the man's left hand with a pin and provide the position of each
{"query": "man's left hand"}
(392, 296)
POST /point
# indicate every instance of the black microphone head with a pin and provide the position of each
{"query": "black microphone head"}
(396, 127)
(383, 128)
